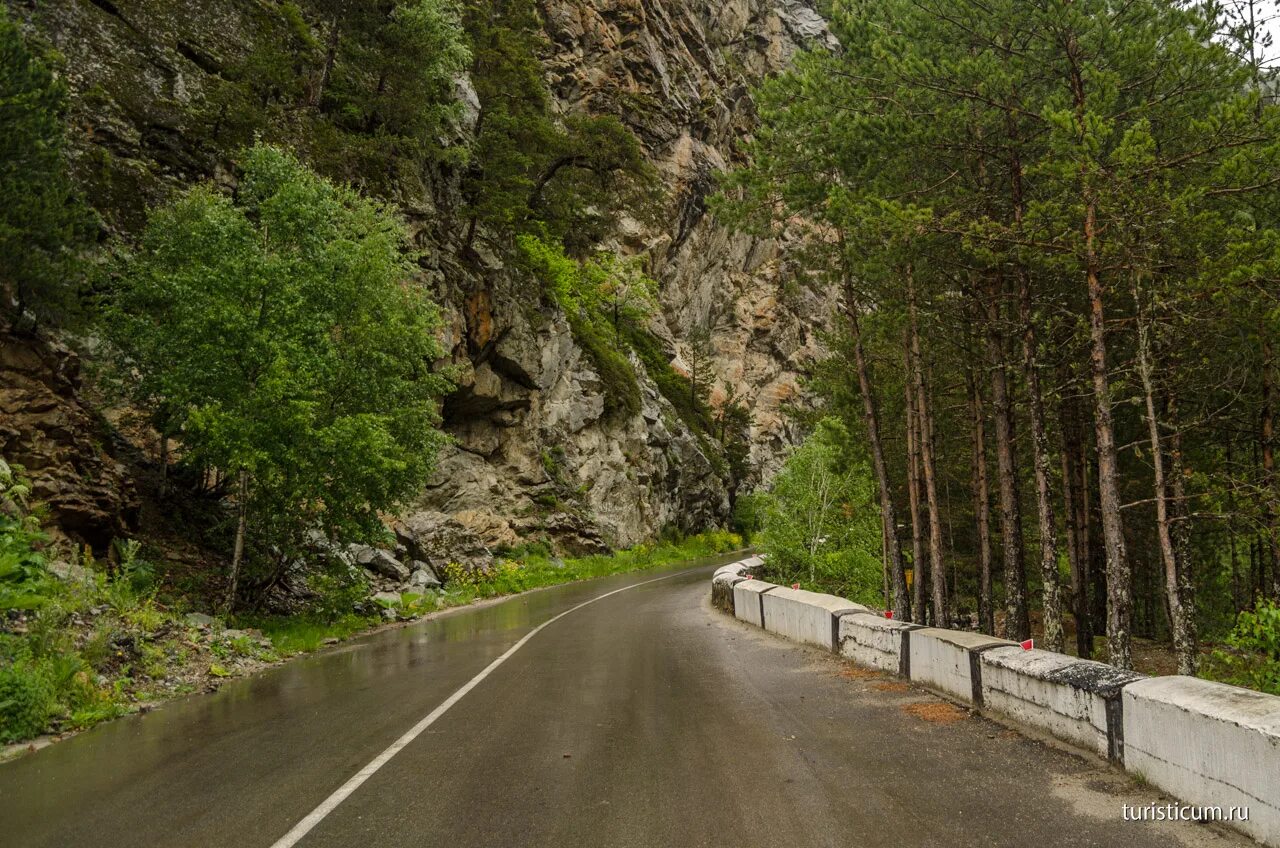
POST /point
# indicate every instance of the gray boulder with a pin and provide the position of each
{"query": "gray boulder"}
(437, 539)
(423, 577)
(71, 572)
(379, 562)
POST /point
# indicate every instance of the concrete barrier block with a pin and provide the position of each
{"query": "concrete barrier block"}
(722, 590)
(747, 603)
(1077, 701)
(947, 660)
(734, 568)
(809, 617)
(753, 562)
(1208, 744)
(876, 642)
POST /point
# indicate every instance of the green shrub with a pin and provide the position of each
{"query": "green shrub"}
(748, 514)
(25, 583)
(26, 702)
(821, 524)
(1252, 656)
(338, 589)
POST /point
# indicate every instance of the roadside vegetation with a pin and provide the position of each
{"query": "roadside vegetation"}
(517, 571)
(104, 638)
(818, 522)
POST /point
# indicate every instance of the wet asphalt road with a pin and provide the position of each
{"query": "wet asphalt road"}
(645, 719)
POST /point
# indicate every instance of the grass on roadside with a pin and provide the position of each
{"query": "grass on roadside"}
(76, 653)
(520, 571)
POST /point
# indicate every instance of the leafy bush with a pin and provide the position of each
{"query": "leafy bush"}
(748, 514)
(26, 701)
(1252, 658)
(820, 523)
(25, 584)
(338, 589)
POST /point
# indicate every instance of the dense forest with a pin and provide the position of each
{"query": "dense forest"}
(1052, 231)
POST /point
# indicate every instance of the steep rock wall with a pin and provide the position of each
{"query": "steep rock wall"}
(536, 455)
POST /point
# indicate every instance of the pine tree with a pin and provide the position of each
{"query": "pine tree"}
(42, 222)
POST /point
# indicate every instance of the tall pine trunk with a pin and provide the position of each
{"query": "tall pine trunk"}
(901, 603)
(1119, 574)
(1174, 570)
(924, 435)
(981, 506)
(918, 567)
(1051, 601)
(1051, 598)
(1075, 495)
(1180, 521)
(1017, 624)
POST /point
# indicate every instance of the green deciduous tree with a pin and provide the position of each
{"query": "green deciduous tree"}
(820, 523)
(283, 335)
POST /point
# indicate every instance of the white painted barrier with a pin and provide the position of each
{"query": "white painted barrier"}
(1206, 743)
(722, 589)
(876, 642)
(947, 660)
(1077, 701)
(734, 569)
(1209, 744)
(747, 603)
(809, 617)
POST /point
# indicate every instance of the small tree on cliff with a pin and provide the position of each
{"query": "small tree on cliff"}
(284, 336)
(41, 218)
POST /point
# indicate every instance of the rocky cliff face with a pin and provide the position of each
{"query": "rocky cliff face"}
(61, 443)
(536, 454)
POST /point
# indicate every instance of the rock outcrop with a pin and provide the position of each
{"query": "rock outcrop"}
(678, 74)
(61, 443)
(536, 455)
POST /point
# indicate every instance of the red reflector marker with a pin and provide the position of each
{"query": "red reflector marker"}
(888, 613)
(1028, 645)
(795, 585)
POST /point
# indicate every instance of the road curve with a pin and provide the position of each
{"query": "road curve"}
(643, 719)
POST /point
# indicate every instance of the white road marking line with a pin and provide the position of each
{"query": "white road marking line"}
(353, 783)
